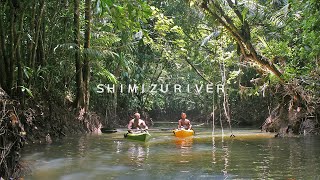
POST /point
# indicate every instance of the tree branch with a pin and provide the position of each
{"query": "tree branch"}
(246, 47)
(197, 71)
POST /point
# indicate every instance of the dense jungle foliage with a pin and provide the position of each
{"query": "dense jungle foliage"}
(56, 58)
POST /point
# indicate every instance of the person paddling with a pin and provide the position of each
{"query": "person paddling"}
(184, 123)
(137, 123)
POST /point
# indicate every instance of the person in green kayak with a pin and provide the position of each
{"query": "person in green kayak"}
(184, 123)
(137, 123)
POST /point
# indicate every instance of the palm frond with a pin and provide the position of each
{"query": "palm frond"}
(206, 39)
(279, 18)
(65, 46)
(98, 54)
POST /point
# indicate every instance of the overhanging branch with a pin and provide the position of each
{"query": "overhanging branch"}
(197, 71)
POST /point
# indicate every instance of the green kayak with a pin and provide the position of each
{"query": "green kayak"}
(141, 136)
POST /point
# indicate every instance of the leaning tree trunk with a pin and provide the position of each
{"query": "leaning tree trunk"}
(242, 36)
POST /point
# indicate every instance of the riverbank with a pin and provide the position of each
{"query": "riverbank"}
(42, 122)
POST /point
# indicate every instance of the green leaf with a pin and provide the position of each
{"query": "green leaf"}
(244, 13)
(29, 92)
(263, 41)
(27, 72)
(109, 75)
(108, 2)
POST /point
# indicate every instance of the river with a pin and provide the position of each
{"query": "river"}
(250, 155)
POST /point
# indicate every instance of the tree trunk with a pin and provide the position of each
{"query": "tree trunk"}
(86, 66)
(11, 50)
(76, 23)
(19, 59)
(115, 97)
(41, 50)
(37, 33)
(32, 33)
(3, 56)
(2, 68)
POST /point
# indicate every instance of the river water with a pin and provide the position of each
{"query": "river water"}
(250, 155)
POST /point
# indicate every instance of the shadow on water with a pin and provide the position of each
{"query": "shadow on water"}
(250, 155)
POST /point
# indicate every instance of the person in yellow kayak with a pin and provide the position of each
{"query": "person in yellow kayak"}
(137, 123)
(184, 123)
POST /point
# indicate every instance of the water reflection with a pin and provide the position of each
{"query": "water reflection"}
(167, 157)
(226, 160)
(82, 146)
(138, 153)
(213, 149)
(183, 143)
(266, 158)
(119, 147)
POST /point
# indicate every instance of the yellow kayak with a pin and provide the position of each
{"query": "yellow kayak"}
(183, 132)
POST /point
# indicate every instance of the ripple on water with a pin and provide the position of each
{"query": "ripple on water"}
(112, 168)
(34, 156)
(53, 164)
(77, 176)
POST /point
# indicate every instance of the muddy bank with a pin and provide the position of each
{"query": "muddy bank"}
(296, 111)
(12, 137)
(41, 121)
